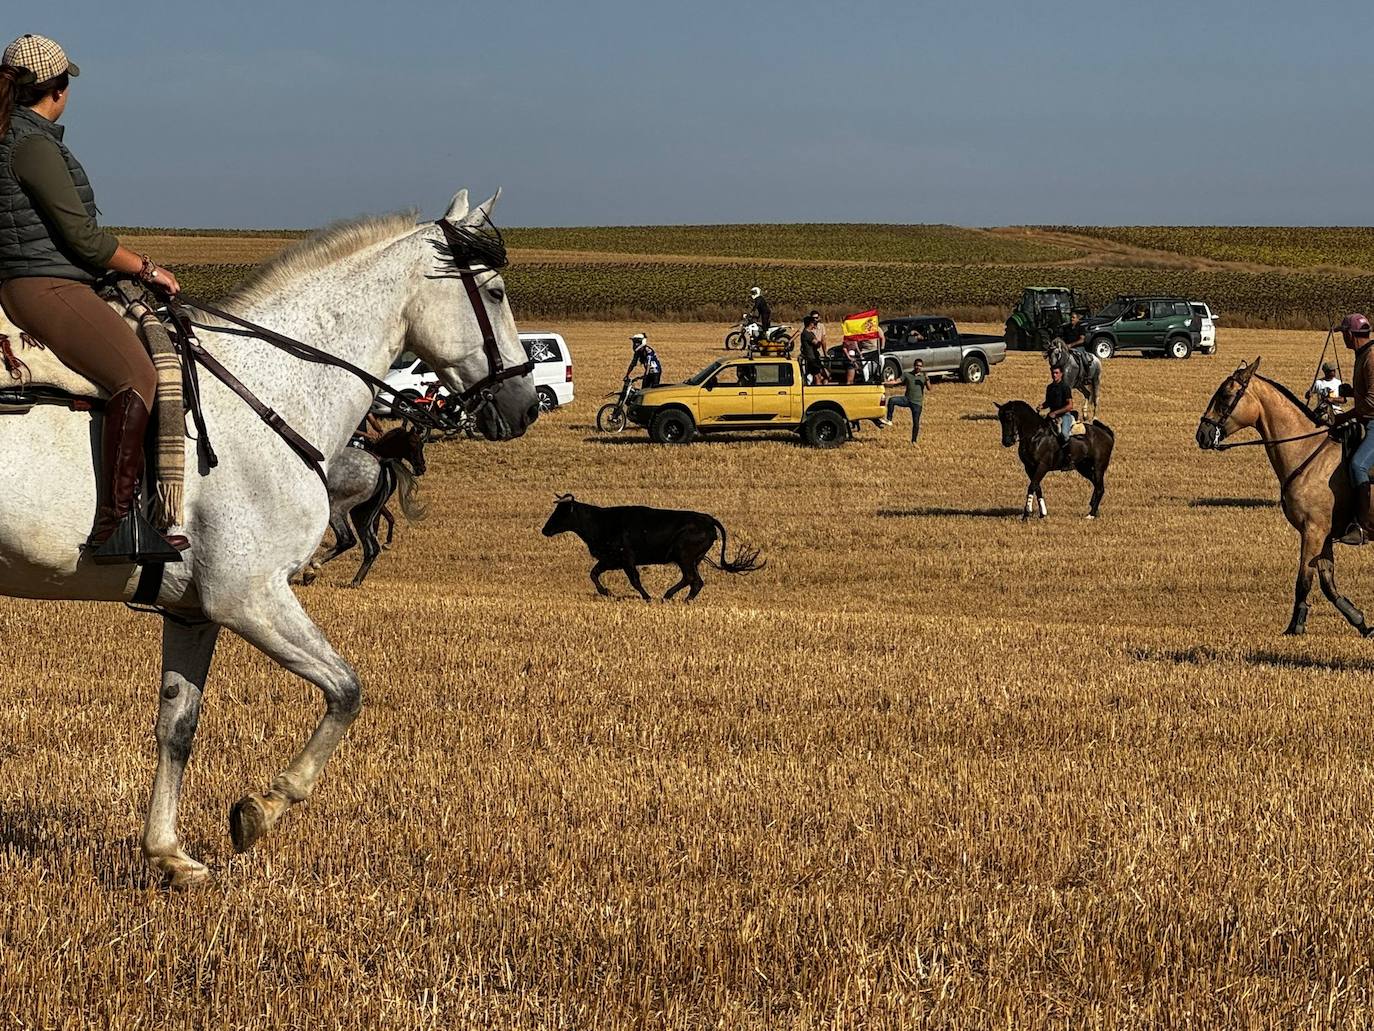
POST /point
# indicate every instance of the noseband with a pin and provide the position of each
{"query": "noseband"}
(1219, 422)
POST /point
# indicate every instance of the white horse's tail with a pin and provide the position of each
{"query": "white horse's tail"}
(408, 485)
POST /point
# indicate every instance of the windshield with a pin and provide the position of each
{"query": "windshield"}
(1113, 311)
(698, 378)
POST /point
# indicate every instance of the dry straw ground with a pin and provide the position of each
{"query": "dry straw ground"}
(931, 767)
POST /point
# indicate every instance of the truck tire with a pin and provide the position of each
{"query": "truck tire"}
(1178, 347)
(892, 369)
(825, 429)
(672, 426)
(973, 370)
(1103, 347)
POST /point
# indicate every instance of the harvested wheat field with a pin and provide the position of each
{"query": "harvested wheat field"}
(930, 767)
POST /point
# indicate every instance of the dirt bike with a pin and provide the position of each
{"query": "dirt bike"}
(611, 418)
(748, 332)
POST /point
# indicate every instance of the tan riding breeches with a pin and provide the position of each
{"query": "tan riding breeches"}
(83, 331)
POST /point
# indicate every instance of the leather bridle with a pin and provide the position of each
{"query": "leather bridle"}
(469, 252)
(1219, 423)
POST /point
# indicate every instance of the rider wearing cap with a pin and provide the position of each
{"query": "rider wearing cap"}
(1355, 332)
(644, 355)
(1326, 388)
(762, 312)
(52, 249)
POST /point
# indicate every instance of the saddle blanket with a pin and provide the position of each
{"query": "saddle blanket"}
(28, 363)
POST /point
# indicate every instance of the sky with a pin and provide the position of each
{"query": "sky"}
(294, 113)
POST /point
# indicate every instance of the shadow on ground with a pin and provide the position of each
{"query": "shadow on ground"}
(953, 513)
(979, 417)
(1202, 655)
(1233, 503)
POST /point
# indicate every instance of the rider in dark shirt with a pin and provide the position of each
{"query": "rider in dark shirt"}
(1072, 331)
(644, 354)
(1058, 407)
(761, 310)
(811, 350)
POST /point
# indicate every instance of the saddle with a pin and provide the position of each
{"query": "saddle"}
(34, 375)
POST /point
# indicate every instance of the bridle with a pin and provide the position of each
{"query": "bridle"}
(468, 252)
(1225, 416)
(1219, 423)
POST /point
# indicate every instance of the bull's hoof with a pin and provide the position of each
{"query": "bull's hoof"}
(248, 821)
(180, 872)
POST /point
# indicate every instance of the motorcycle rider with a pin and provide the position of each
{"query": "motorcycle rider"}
(762, 313)
(644, 355)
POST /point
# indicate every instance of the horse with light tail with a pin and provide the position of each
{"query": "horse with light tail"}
(364, 291)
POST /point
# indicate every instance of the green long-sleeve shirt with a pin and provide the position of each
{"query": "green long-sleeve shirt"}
(42, 172)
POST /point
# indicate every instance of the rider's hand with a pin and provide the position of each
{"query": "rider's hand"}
(163, 279)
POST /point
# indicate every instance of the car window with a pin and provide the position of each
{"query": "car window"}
(734, 376)
(774, 374)
(698, 378)
(1113, 311)
(421, 369)
(1200, 309)
(1161, 309)
(405, 360)
(1180, 308)
(542, 349)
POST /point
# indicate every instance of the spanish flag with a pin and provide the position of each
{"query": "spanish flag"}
(863, 326)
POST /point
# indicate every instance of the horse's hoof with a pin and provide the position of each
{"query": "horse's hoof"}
(1090, 516)
(1365, 629)
(180, 872)
(248, 822)
(1295, 631)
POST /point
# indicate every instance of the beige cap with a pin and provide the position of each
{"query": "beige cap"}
(39, 56)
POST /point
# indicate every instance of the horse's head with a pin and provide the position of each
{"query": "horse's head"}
(1230, 410)
(561, 519)
(448, 316)
(1054, 351)
(1007, 417)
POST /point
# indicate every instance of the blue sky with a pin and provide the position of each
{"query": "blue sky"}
(294, 113)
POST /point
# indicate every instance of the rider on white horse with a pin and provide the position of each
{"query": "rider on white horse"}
(52, 250)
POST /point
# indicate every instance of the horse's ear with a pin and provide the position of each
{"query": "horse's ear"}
(997, 406)
(458, 207)
(482, 213)
(1246, 371)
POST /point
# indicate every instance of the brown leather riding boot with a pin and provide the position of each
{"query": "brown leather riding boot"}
(121, 534)
(1362, 509)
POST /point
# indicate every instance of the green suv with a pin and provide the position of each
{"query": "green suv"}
(1158, 324)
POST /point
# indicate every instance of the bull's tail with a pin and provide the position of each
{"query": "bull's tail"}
(413, 508)
(746, 560)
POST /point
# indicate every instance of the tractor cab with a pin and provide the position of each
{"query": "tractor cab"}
(1036, 320)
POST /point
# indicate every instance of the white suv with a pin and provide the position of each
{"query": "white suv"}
(553, 373)
(1207, 344)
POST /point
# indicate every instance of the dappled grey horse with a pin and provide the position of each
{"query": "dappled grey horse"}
(363, 291)
(1082, 370)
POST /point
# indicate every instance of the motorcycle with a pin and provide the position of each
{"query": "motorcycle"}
(747, 336)
(611, 418)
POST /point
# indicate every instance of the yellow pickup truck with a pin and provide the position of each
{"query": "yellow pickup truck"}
(754, 393)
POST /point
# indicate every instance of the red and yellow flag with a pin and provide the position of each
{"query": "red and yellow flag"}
(863, 326)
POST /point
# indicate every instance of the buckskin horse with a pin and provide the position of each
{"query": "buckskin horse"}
(1314, 486)
(1089, 454)
(364, 290)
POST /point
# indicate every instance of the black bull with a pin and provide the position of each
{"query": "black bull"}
(628, 536)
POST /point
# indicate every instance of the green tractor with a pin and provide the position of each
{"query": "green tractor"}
(1036, 320)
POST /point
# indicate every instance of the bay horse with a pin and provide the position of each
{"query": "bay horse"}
(1082, 369)
(1040, 453)
(1314, 487)
(364, 291)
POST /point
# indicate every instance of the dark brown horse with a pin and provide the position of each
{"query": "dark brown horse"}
(1314, 487)
(1040, 453)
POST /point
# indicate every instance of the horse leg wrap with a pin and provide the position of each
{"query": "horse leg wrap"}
(1044, 509)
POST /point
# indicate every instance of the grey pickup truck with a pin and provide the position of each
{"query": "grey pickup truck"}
(943, 350)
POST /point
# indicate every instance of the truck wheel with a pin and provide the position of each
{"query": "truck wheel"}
(1179, 347)
(825, 429)
(671, 427)
(892, 369)
(1103, 347)
(974, 370)
(547, 400)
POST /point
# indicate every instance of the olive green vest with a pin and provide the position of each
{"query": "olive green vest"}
(29, 246)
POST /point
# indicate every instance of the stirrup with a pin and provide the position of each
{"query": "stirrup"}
(1354, 535)
(134, 540)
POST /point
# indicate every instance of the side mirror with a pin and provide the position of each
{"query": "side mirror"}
(709, 385)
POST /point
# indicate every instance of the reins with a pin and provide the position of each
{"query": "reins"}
(1225, 446)
(468, 249)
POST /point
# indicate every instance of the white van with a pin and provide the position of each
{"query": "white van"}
(553, 372)
(553, 368)
(1207, 344)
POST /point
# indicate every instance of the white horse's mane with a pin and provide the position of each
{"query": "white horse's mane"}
(323, 247)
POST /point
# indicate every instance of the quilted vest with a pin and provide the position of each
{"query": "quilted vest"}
(27, 244)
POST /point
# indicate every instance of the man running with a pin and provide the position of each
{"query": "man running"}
(644, 355)
(916, 383)
(1355, 332)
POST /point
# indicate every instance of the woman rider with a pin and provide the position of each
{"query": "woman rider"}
(52, 250)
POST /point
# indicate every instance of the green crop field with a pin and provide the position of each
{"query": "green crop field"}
(1303, 247)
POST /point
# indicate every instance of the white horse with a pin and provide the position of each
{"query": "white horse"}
(362, 291)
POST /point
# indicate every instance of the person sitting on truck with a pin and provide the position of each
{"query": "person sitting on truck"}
(812, 366)
(762, 312)
(644, 355)
(1058, 407)
(848, 354)
(818, 328)
(916, 383)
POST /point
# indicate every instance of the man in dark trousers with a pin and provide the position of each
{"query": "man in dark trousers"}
(1355, 332)
(644, 355)
(762, 312)
(812, 365)
(916, 383)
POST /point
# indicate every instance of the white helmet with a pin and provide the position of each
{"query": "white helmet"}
(639, 340)
(755, 292)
